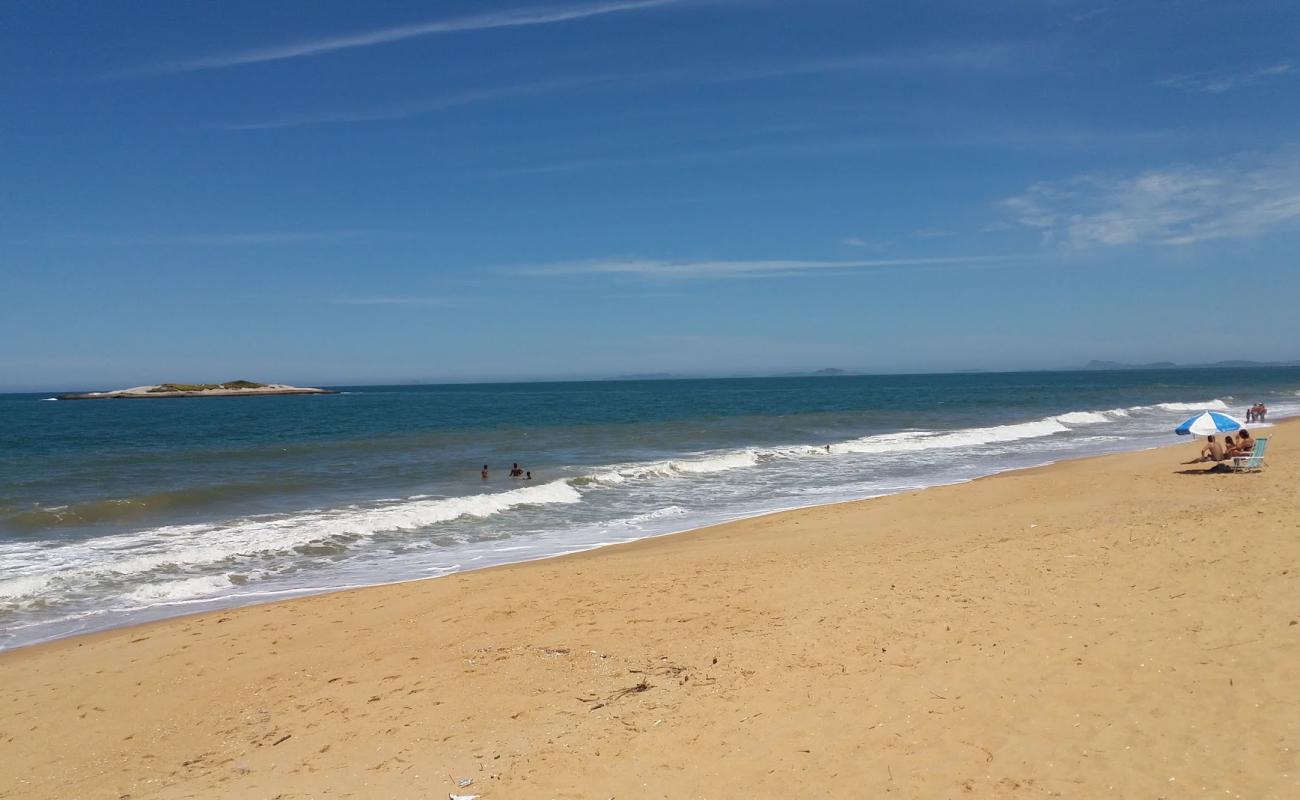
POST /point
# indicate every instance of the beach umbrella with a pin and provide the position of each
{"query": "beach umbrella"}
(1208, 423)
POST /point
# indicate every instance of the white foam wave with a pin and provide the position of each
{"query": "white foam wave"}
(1208, 405)
(49, 399)
(175, 591)
(718, 462)
(189, 546)
(651, 516)
(1083, 417)
(721, 463)
(968, 437)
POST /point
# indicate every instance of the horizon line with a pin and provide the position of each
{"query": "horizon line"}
(823, 373)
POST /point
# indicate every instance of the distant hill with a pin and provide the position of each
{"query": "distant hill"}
(821, 373)
(1234, 364)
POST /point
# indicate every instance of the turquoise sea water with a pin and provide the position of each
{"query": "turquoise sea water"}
(117, 511)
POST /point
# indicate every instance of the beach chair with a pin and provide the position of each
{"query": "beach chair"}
(1253, 462)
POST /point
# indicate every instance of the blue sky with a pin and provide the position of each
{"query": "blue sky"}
(336, 192)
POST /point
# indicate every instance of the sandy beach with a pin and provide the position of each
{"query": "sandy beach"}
(1108, 627)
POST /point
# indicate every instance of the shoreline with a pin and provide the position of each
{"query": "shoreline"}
(219, 604)
(1102, 624)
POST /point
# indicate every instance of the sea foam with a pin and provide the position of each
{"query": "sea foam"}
(1083, 417)
(190, 546)
(968, 437)
(704, 465)
(1208, 405)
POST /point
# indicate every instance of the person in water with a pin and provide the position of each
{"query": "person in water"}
(528, 476)
(484, 473)
(515, 471)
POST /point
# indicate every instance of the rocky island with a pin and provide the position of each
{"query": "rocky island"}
(227, 389)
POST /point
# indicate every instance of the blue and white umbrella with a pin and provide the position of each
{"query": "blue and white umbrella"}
(1208, 423)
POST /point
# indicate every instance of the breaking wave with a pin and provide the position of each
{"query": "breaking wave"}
(184, 547)
(1083, 418)
(968, 437)
(184, 589)
(1208, 405)
(705, 465)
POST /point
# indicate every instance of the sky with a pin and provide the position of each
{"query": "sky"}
(339, 193)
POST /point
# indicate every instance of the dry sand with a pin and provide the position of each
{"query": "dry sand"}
(1099, 628)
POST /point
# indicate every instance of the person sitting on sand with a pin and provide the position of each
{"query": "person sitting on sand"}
(1245, 444)
(1212, 451)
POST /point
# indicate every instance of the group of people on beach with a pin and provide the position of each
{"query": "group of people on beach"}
(515, 472)
(1256, 413)
(1229, 448)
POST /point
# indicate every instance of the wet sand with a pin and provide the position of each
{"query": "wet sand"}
(1106, 627)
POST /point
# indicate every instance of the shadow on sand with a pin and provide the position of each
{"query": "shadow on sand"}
(1215, 470)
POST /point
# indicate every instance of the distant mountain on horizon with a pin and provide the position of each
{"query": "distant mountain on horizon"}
(1231, 364)
(821, 373)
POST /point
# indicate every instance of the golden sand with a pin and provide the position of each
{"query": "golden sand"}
(1098, 628)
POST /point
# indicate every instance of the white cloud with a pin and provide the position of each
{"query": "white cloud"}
(507, 18)
(1220, 82)
(654, 268)
(853, 241)
(1246, 195)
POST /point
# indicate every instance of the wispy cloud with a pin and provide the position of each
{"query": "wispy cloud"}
(853, 241)
(415, 108)
(960, 59)
(1221, 82)
(507, 18)
(1246, 195)
(654, 268)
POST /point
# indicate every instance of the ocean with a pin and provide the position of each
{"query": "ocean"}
(122, 511)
